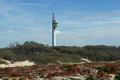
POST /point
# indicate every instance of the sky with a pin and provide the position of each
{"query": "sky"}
(81, 22)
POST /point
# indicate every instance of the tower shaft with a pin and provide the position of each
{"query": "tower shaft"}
(53, 37)
(54, 26)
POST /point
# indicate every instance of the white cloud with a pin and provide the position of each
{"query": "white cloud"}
(57, 32)
(30, 4)
(36, 28)
(34, 4)
(66, 22)
(10, 31)
(79, 26)
(105, 22)
(92, 17)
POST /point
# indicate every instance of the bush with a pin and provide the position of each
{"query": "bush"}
(91, 77)
(44, 54)
(117, 77)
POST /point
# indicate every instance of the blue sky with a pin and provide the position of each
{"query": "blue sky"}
(81, 22)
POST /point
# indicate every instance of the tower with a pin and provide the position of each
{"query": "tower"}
(54, 26)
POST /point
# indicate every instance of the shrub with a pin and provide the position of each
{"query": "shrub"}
(117, 77)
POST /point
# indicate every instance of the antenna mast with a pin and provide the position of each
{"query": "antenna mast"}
(53, 17)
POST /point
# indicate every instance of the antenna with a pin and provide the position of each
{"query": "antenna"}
(53, 17)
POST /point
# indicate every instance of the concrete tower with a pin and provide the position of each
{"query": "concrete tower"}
(54, 26)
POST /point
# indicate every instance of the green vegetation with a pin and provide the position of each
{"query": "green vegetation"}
(91, 77)
(74, 79)
(117, 77)
(94, 53)
(42, 54)
(106, 69)
(36, 52)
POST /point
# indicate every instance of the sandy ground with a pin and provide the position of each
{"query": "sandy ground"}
(20, 63)
(27, 63)
(112, 76)
(86, 60)
(83, 61)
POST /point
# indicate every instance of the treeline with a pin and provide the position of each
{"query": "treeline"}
(42, 54)
(36, 52)
(95, 53)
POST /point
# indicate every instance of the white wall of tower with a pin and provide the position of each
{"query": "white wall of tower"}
(53, 37)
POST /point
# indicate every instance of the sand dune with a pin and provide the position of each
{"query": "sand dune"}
(19, 63)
